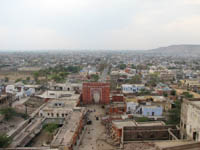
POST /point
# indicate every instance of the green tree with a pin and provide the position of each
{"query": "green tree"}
(173, 93)
(95, 77)
(8, 113)
(28, 78)
(4, 141)
(56, 78)
(36, 75)
(6, 79)
(142, 119)
(50, 128)
(136, 79)
(153, 80)
(145, 92)
(122, 66)
(133, 66)
(187, 95)
(17, 80)
(73, 69)
(63, 74)
(165, 94)
(174, 114)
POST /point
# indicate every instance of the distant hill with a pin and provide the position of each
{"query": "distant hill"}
(178, 50)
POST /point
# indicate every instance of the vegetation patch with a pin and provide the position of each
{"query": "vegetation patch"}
(174, 114)
(4, 140)
(51, 127)
(9, 113)
(142, 119)
(57, 74)
(187, 95)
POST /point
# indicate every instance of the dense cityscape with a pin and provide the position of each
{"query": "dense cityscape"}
(99, 75)
(99, 100)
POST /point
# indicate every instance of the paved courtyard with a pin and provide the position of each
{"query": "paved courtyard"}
(95, 137)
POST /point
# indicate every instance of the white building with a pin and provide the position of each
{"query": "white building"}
(70, 95)
(131, 107)
(132, 88)
(65, 86)
(58, 109)
(190, 119)
(10, 89)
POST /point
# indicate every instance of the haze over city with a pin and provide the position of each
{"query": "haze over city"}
(98, 24)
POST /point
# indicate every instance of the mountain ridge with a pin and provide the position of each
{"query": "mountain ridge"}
(182, 50)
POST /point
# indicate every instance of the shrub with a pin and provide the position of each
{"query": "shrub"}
(51, 127)
(4, 140)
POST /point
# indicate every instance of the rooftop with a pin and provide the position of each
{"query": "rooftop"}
(59, 94)
(168, 144)
(153, 123)
(123, 123)
(65, 135)
(196, 103)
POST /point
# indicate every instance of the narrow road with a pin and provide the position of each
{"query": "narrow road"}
(104, 74)
(92, 139)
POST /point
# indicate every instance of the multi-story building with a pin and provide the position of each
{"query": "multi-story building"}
(58, 109)
(190, 119)
(132, 88)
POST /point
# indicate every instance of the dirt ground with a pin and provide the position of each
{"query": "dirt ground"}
(6, 126)
(15, 75)
(42, 139)
(95, 137)
(180, 91)
(139, 146)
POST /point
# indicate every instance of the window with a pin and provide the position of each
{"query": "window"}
(184, 126)
(194, 136)
(152, 136)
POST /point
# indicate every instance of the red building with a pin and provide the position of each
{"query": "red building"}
(116, 108)
(96, 93)
(118, 98)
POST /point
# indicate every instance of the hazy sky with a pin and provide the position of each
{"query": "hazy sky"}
(98, 24)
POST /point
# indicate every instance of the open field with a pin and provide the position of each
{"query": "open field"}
(13, 75)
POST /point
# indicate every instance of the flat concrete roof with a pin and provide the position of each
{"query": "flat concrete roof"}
(65, 135)
(117, 104)
(166, 144)
(120, 124)
(153, 123)
(59, 94)
(196, 103)
(32, 86)
(65, 105)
